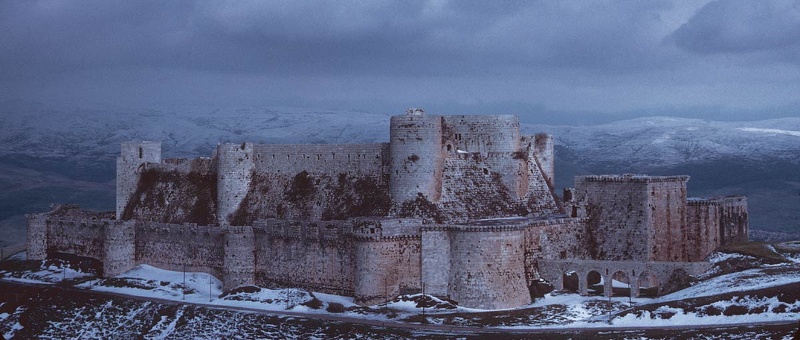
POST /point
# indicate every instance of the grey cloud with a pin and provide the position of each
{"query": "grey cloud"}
(329, 37)
(741, 26)
(524, 56)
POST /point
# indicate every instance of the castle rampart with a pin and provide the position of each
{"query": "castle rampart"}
(460, 207)
(331, 159)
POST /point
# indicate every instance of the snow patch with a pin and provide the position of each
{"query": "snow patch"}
(772, 131)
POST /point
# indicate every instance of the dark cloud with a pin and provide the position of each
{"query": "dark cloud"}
(540, 57)
(742, 26)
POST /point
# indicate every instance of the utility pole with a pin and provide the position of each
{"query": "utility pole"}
(609, 302)
(423, 300)
(209, 287)
(184, 262)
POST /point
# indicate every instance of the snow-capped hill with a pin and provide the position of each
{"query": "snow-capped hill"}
(188, 131)
(41, 131)
(666, 141)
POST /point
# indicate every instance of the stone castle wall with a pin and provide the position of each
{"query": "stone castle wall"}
(309, 255)
(734, 219)
(703, 219)
(132, 156)
(487, 267)
(331, 159)
(437, 157)
(492, 264)
(415, 149)
(315, 216)
(667, 225)
(619, 215)
(181, 246)
(235, 165)
(496, 138)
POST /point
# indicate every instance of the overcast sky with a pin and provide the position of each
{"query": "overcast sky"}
(549, 61)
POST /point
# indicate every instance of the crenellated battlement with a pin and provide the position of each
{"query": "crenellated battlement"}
(632, 178)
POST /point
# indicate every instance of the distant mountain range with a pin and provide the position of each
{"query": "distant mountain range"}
(66, 155)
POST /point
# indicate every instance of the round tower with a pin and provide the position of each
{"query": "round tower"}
(234, 171)
(375, 271)
(416, 155)
(129, 165)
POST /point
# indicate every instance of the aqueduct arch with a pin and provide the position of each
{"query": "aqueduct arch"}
(650, 277)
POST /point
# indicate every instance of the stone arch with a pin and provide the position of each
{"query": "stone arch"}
(620, 283)
(570, 282)
(648, 284)
(594, 282)
(678, 280)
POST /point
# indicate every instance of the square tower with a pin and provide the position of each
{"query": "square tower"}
(634, 217)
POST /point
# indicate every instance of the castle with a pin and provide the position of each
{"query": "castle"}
(461, 207)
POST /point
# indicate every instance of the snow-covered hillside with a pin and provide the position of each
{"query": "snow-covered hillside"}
(666, 141)
(184, 132)
(192, 131)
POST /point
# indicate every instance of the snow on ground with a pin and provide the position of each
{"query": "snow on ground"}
(49, 274)
(718, 257)
(750, 279)
(771, 131)
(205, 289)
(754, 310)
(8, 331)
(554, 311)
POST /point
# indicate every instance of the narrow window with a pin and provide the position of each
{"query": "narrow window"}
(141, 152)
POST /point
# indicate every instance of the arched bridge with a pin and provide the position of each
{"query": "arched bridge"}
(639, 277)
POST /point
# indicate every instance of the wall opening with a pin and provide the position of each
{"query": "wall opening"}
(594, 283)
(141, 153)
(569, 282)
(620, 284)
(648, 285)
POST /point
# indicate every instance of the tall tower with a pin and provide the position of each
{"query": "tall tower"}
(235, 166)
(416, 153)
(129, 166)
(543, 153)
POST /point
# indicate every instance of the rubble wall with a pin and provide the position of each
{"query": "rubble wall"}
(703, 228)
(618, 216)
(173, 246)
(734, 220)
(311, 255)
(667, 224)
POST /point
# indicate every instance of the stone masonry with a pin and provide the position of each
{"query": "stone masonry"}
(461, 207)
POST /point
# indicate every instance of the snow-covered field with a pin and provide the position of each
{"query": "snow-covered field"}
(719, 300)
(554, 310)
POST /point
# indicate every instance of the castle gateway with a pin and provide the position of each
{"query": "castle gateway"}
(460, 205)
